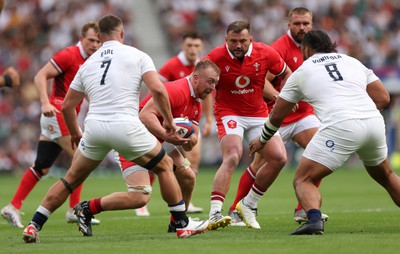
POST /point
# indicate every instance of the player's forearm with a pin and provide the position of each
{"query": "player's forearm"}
(269, 91)
(207, 106)
(161, 100)
(41, 87)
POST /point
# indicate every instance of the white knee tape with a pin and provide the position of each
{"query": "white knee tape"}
(186, 163)
(146, 189)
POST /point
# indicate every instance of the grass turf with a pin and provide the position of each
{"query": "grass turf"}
(362, 219)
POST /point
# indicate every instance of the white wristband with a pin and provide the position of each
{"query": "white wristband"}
(268, 131)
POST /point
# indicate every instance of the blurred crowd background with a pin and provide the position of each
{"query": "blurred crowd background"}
(31, 31)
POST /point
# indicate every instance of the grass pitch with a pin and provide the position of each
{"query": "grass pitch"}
(362, 219)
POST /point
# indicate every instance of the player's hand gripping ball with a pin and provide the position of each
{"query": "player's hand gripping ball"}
(185, 127)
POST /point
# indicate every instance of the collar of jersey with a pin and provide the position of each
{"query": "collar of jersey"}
(81, 50)
(247, 54)
(295, 42)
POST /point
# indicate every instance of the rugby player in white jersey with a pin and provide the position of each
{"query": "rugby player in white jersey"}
(346, 97)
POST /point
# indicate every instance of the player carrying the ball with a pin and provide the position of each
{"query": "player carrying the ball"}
(185, 95)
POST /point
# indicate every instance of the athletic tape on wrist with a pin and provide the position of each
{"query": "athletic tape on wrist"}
(268, 131)
(7, 80)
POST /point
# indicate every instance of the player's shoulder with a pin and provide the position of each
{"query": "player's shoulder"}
(69, 51)
(262, 49)
(173, 61)
(125, 50)
(218, 51)
(281, 43)
(177, 85)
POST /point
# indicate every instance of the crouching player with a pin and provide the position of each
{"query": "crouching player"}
(185, 95)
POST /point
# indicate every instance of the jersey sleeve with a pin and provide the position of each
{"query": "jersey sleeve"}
(371, 77)
(164, 72)
(76, 83)
(62, 60)
(277, 64)
(290, 91)
(147, 64)
(177, 98)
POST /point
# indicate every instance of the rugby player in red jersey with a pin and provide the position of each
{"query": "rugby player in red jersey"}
(300, 125)
(177, 67)
(240, 112)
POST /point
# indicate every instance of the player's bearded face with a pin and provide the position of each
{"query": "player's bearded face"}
(239, 43)
(299, 25)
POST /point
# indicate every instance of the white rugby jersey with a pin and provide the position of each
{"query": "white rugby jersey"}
(111, 79)
(335, 85)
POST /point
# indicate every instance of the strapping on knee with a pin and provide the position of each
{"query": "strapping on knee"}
(185, 165)
(67, 185)
(145, 189)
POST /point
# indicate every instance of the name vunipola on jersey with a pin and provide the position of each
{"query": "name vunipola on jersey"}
(325, 58)
(241, 82)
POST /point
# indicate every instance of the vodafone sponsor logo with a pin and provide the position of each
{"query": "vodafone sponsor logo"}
(241, 82)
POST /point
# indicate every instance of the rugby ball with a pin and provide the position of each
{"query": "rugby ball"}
(185, 127)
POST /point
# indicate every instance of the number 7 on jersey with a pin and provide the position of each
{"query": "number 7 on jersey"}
(107, 65)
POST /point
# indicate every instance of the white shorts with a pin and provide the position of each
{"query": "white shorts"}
(247, 127)
(130, 167)
(53, 127)
(289, 131)
(332, 146)
(130, 138)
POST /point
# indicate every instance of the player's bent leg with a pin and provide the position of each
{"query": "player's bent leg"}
(274, 153)
(187, 180)
(384, 175)
(157, 161)
(305, 181)
(161, 164)
(137, 195)
(302, 138)
(245, 182)
(47, 153)
(308, 195)
(232, 150)
(194, 157)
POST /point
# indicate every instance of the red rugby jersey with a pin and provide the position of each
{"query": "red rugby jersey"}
(240, 88)
(175, 68)
(182, 99)
(67, 62)
(291, 54)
